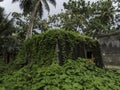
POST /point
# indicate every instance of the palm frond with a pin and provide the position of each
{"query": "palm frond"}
(26, 5)
(46, 5)
(40, 10)
(53, 2)
(14, 1)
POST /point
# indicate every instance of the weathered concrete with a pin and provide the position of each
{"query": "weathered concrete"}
(110, 48)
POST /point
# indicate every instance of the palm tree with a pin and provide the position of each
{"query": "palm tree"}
(34, 8)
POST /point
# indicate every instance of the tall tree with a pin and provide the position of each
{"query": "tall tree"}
(21, 22)
(99, 16)
(8, 41)
(103, 18)
(91, 18)
(34, 8)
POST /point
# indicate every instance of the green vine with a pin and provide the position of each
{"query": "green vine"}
(42, 48)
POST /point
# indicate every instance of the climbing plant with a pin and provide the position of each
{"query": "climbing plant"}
(42, 48)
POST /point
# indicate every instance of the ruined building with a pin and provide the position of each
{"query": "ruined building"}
(110, 48)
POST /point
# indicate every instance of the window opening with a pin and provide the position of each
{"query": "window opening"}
(89, 55)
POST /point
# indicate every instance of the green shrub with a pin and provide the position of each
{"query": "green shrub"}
(73, 75)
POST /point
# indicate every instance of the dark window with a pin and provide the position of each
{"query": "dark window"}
(89, 54)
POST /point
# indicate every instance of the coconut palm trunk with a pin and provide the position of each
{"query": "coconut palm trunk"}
(33, 15)
(36, 6)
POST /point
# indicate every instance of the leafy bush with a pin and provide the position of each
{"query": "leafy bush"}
(73, 75)
(35, 67)
(3, 67)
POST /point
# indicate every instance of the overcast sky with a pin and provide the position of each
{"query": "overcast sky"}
(9, 7)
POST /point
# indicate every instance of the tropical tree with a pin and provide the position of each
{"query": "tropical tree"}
(9, 44)
(103, 18)
(66, 20)
(99, 16)
(75, 18)
(90, 18)
(21, 22)
(34, 8)
(117, 17)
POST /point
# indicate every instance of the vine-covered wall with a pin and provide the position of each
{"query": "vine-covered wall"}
(57, 46)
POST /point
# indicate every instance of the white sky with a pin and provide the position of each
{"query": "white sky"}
(10, 7)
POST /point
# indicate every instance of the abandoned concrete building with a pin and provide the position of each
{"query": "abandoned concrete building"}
(110, 48)
(62, 45)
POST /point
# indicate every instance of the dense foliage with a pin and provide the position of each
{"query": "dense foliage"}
(9, 44)
(39, 70)
(36, 66)
(90, 18)
(73, 75)
(42, 48)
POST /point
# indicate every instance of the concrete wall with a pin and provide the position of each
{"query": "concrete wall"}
(110, 48)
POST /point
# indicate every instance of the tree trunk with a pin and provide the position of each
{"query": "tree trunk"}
(6, 57)
(33, 15)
